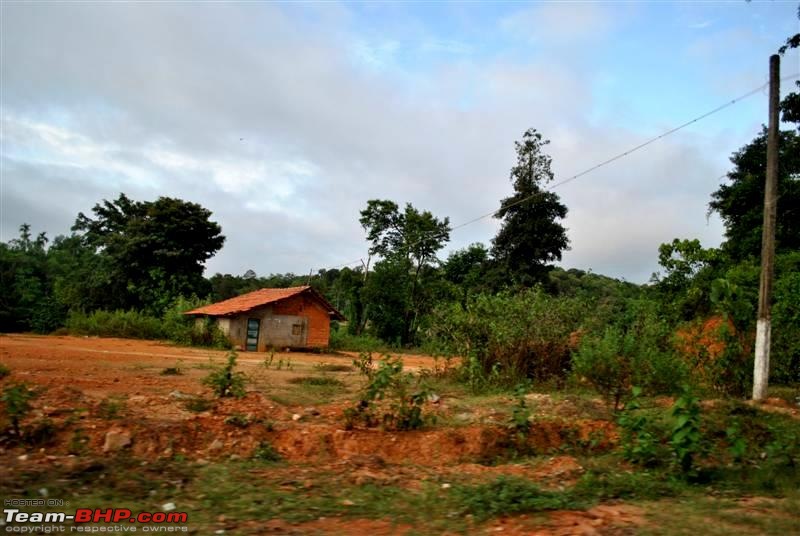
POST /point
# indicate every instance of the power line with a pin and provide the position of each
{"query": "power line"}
(599, 165)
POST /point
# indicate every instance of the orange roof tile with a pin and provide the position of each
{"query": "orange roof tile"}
(258, 298)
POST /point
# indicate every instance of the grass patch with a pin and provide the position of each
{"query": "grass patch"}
(332, 367)
(111, 408)
(198, 404)
(171, 371)
(316, 381)
(511, 495)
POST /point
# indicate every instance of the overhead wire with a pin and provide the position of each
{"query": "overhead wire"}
(595, 167)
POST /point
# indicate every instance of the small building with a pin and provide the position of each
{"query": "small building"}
(296, 317)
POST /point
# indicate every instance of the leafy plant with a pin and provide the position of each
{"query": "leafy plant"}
(639, 445)
(171, 371)
(198, 404)
(16, 399)
(238, 420)
(266, 453)
(110, 408)
(737, 444)
(520, 424)
(4, 371)
(225, 381)
(405, 393)
(686, 436)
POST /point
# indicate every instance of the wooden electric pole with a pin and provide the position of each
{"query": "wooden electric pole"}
(763, 327)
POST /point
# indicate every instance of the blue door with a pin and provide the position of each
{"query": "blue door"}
(253, 325)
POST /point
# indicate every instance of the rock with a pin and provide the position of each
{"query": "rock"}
(445, 486)
(43, 492)
(235, 457)
(202, 461)
(296, 417)
(433, 398)
(116, 439)
(22, 457)
(168, 507)
(347, 502)
(167, 452)
(177, 395)
(311, 412)
(216, 445)
(464, 416)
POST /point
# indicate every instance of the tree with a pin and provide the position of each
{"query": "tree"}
(407, 242)
(156, 249)
(530, 236)
(740, 202)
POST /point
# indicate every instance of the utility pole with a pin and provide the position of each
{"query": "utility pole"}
(763, 327)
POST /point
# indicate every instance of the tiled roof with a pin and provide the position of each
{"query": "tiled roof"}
(257, 298)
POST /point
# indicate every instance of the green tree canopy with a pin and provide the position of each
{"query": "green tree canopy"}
(157, 249)
(531, 235)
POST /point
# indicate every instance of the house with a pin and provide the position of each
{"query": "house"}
(296, 317)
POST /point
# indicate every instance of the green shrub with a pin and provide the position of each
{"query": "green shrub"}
(225, 381)
(124, 324)
(637, 349)
(520, 423)
(640, 444)
(171, 371)
(686, 436)
(16, 399)
(341, 340)
(4, 371)
(405, 393)
(507, 338)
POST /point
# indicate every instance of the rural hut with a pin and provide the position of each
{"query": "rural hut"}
(296, 317)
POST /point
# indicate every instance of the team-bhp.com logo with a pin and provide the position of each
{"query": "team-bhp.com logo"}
(13, 516)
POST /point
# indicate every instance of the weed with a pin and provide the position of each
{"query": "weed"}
(265, 452)
(198, 404)
(78, 443)
(238, 420)
(639, 445)
(269, 358)
(171, 371)
(317, 381)
(332, 367)
(405, 393)
(508, 495)
(225, 382)
(110, 408)
(520, 423)
(16, 398)
(4, 371)
(686, 436)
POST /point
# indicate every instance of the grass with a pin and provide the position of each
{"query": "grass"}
(198, 404)
(332, 367)
(317, 381)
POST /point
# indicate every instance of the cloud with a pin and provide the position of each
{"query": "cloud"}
(260, 113)
(559, 23)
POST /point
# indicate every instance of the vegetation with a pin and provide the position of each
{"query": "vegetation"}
(225, 381)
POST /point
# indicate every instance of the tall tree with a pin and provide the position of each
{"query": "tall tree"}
(407, 243)
(157, 249)
(531, 235)
(740, 201)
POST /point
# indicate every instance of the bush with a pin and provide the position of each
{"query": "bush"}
(173, 326)
(636, 350)
(405, 393)
(225, 382)
(16, 399)
(507, 338)
(4, 371)
(341, 340)
(124, 324)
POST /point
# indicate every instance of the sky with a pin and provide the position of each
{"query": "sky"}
(283, 119)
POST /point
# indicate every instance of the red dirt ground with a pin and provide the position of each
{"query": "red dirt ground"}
(82, 372)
